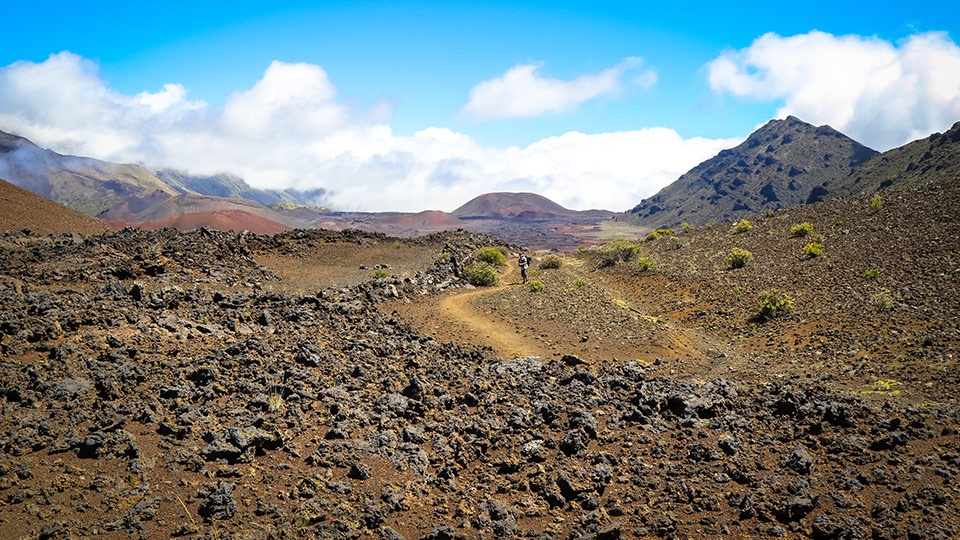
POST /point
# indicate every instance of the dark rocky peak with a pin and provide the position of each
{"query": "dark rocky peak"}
(780, 165)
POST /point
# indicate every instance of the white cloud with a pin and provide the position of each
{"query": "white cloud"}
(522, 92)
(290, 130)
(880, 93)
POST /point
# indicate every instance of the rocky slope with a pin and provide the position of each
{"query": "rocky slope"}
(781, 165)
(157, 384)
(936, 157)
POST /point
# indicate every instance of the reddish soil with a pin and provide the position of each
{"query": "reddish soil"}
(21, 209)
(221, 220)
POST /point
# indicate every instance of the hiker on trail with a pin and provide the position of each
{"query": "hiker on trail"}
(524, 262)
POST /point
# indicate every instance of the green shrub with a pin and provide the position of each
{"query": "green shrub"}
(801, 229)
(619, 250)
(580, 283)
(739, 258)
(876, 203)
(480, 274)
(773, 304)
(742, 226)
(551, 262)
(491, 255)
(687, 228)
(536, 286)
(645, 263)
(380, 274)
(813, 249)
(659, 233)
(872, 273)
(711, 224)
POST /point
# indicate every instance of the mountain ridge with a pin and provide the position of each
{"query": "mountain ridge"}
(94, 186)
(780, 165)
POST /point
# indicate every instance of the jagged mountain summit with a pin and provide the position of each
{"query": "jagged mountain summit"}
(783, 164)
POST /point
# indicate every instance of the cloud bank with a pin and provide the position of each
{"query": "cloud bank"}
(879, 93)
(522, 92)
(290, 130)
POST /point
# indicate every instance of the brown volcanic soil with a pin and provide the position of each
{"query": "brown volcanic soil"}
(698, 315)
(204, 384)
(221, 220)
(22, 209)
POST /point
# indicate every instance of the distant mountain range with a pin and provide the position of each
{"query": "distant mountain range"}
(783, 164)
(93, 186)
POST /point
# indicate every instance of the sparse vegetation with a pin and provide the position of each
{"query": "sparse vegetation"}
(738, 258)
(619, 250)
(876, 203)
(491, 255)
(774, 304)
(275, 401)
(551, 262)
(481, 274)
(813, 249)
(742, 226)
(687, 228)
(883, 301)
(580, 283)
(536, 286)
(659, 233)
(801, 229)
(872, 273)
(380, 274)
(645, 263)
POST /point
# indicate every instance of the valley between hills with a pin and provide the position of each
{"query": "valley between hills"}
(787, 374)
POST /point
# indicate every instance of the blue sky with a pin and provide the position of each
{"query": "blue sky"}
(423, 105)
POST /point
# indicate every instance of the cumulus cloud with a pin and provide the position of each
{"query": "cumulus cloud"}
(522, 92)
(291, 130)
(880, 93)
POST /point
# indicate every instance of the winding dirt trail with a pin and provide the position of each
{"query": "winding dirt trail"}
(461, 318)
(506, 341)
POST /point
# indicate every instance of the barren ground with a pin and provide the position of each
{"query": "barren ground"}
(215, 385)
